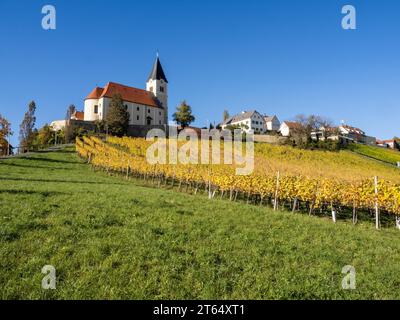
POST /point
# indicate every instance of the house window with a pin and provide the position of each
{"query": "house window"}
(162, 89)
(160, 113)
(137, 118)
(96, 109)
(126, 107)
(149, 121)
(137, 108)
(148, 110)
(151, 88)
(159, 122)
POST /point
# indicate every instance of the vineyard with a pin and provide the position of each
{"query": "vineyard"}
(285, 179)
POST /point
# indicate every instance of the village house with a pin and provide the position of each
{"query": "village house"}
(247, 120)
(356, 135)
(272, 123)
(391, 144)
(288, 128)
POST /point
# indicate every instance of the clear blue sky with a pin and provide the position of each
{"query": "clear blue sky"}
(280, 57)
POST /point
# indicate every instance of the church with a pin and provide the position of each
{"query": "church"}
(147, 108)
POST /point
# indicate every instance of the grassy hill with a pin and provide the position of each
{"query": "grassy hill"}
(109, 238)
(381, 154)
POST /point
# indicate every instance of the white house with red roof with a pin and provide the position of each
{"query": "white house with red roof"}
(146, 107)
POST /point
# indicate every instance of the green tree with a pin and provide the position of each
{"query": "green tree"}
(26, 133)
(117, 118)
(183, 115)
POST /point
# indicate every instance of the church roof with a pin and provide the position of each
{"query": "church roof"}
(131, 94)
(157, 73)
(95, 94)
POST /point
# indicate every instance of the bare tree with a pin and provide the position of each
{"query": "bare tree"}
(312, 123)
(70, 112)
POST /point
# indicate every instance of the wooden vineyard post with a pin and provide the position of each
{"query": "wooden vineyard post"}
(333, 213)
(294, 205)
(377, 219)
(127, 170)
(276, 192)
(354, 214)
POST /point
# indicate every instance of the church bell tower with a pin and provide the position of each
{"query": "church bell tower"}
(158, 84)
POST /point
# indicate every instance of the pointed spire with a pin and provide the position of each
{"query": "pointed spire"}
(157, 73)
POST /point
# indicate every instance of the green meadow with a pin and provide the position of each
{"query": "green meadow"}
(110, 238)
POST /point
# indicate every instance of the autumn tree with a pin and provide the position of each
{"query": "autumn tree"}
(117, 118)
(5, 133)
(45, 136)
(27, 133)
(183, 115)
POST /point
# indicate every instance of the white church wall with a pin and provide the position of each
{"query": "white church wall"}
(90, 108)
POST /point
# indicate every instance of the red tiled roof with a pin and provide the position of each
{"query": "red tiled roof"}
(128, 94)
(131, 94)
(293, 125)
(95, 94)
(79, 115)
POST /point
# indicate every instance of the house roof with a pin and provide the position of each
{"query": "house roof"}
(239, 117)
(292, 124)
(79, 115)
(128, 94)
(157, 73)
(269, 118)
(95, 94)
(353, 129)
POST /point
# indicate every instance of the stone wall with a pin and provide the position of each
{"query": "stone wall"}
(269, 139)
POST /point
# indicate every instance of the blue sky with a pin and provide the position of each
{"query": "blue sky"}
(280, 57)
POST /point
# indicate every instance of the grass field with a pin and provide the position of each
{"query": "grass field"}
(382, 154)
(109, 238)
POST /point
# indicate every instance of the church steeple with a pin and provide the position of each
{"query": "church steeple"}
(157, 73)
(158, 85)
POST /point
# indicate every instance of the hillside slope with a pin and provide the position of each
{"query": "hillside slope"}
(109, 238)
(341, 165)
(381, 154)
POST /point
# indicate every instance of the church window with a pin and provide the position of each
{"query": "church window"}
(148, 111)
(137, 118)
(96, 109)
(151, 88)
(137, 108)
(159, 113)
(162, 89)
